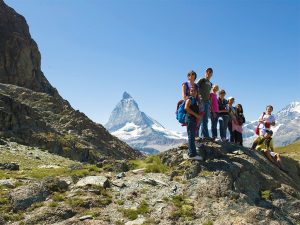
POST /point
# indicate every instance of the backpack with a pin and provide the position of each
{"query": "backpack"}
(180, 112)
(257, 128)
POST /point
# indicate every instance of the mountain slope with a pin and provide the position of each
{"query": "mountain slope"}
(32, 112)
(139, 130)
(287, 129)
(233, 186)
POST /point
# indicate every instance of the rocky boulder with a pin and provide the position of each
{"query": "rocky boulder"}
(93, 180)
(23, 197)
(9, 166)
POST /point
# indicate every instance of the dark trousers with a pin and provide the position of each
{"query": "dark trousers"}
(204, 122)
(238, 138)
(223, 120)
(191, 130)
(230, 130)
(214, 123)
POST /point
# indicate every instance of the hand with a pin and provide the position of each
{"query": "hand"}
(198, 116)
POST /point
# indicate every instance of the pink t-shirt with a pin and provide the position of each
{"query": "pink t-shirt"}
(214, 102)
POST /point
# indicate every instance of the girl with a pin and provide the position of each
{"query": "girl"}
(214, 107)
(266, 120)
(192, 76)
(237, 125)
(232, 112)
(192, 109)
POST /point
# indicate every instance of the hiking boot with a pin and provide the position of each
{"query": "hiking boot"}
(197, 157)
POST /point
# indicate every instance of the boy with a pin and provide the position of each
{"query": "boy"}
(205, 86)
(265, 145)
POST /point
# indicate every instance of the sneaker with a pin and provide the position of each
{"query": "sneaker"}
(197, 138)
(197, 157)
(217, 139)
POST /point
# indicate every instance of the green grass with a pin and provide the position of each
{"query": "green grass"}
(120, 202)
(53, 204)
(208, 223)
(93, 212)
(76, 202)
(206, 173)
(132, 214)
(57, 197)
(183, 208)
(31, 168)
(292, 150)
(265, 195)
(152, 164)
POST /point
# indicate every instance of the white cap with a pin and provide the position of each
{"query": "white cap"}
(230, 98)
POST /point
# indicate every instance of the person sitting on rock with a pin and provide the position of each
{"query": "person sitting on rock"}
(265, 145)
(192, 109)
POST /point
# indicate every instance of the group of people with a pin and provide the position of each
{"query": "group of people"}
(204, 101)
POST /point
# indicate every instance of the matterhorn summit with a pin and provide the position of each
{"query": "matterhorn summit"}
(139, 130)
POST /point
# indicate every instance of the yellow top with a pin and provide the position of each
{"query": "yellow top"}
(262, 143)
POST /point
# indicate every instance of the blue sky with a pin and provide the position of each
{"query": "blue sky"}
(94, 50)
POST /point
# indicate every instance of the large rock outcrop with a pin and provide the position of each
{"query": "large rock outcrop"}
(20, 59)
(32, 112)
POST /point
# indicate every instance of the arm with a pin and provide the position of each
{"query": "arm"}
(188, 110)
(184, 92)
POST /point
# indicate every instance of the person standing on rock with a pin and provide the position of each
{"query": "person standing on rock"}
(237, 125)
(192, 109)
(223, 114)
(192, 76)
(266, 120)
(214, 111)
(232, 113)
(205, 86)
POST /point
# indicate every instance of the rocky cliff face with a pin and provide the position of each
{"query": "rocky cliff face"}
(31, 110)
(20, 59)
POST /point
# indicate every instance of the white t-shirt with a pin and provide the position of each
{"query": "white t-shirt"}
(267, 118)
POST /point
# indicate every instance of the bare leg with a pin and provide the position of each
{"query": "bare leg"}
(269, 157)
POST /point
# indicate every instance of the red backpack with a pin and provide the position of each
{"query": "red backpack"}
(257, 128)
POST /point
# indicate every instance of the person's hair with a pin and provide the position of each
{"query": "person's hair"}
(209, 70)
(192, 72)
(242, 110)
(222, 92)
(194, 86)
(270, 107)
(214, 86)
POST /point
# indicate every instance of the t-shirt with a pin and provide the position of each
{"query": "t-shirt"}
(204, 89)
(193, 106)
(188, 87)
(223, 105)
(214, 102)
(267, 118)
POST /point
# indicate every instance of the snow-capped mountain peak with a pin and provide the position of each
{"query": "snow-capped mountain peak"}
(139, 130)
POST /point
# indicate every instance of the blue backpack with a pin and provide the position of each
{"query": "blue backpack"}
(180, 112)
